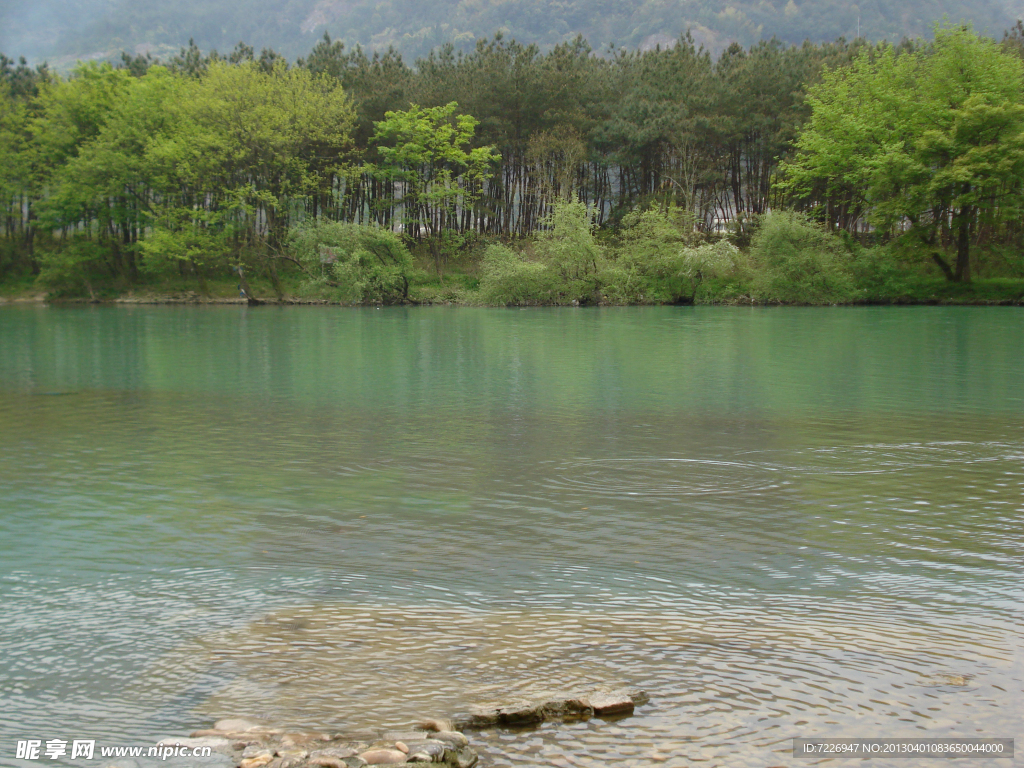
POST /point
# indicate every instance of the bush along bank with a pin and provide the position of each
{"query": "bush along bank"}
(655, 257)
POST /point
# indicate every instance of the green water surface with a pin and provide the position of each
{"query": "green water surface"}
(780, 522)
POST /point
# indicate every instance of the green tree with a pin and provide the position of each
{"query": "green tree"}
(426, 151)
(70, 116)
(190, 170)
(14, 172)
(929, 142)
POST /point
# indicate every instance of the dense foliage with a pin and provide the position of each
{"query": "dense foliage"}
(940, 167)
(560, 177)
(365, 264)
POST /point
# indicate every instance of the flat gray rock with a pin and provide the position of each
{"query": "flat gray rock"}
(554, 706)
(612, 703)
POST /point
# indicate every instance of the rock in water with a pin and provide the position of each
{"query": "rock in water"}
(259, 746)
(255, 750)
(571, 708)
(432, 749)
(297, 755)
(303, 739)
(639, 696)
(454, 738)
(328, 762)
(436, 724)
(616, 703)
(513, 713)
(556, 706)
(384, 757)
(333, 753)
(234, 724)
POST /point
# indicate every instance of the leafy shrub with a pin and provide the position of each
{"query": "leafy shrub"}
(366, 264)
(880, 275)
(798, 262)
(510, 279)
(166, 251)
(565, 268)
(659, 261)
(74, 264)
(568, 249)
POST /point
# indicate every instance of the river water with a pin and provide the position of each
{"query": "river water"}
(778, 522)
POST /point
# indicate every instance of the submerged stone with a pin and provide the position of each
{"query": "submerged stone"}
(437, 724)
(334, 753)
(326, 761)
(288, 762)
(274, 748)
(451, 737)
(235, 724)
(303, 739)
(256, 750)
(384, 757)
(434, 750)
(294, 754)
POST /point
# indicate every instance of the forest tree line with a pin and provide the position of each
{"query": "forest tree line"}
(207, 161)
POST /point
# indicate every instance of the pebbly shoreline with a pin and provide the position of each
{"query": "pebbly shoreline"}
(439, 741)
(251, 745)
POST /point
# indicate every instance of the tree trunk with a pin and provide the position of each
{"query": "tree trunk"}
(275, 280)
(243, 284)
(963, 245)
(944, 266)
(435, 251)
(200, 277)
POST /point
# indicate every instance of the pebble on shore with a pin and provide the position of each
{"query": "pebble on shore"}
(252, 745)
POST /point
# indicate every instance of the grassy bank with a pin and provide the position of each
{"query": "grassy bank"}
(459, 285)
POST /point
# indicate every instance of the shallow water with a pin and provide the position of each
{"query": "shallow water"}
(778, 522)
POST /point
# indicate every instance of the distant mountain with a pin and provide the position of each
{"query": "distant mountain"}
(63, 30)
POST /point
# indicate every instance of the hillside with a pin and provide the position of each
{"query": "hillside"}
(63, 30)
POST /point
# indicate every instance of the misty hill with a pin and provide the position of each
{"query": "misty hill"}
(69, 29)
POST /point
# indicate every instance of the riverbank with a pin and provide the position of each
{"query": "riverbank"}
(651, 260)
(461, 289)
(250, 744)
